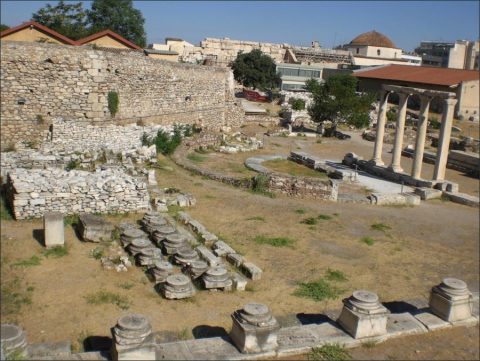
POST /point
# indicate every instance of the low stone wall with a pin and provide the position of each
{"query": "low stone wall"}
(256, 118)
(32, 192)
(302, 187)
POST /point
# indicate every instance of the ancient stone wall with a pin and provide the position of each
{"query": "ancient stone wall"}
(302, 187)
(32, 192)
(41, 82)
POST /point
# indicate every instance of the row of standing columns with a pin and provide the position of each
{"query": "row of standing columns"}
(444, 137)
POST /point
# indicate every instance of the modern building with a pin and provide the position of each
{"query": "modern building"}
(464, 83)
(461, 54)
(373, 48)
(34, 32)
(294, 76)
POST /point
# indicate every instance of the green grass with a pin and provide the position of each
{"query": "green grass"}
(300, 211)
(71, 220)
(97, 252)
(14, 296)
(55, 252)
(82, 336)
(317, 290)
(324, 217)
(105, 297)
(184, 334)
(126, 285)
(330, 352)
(369, 241)
(380, 227)
(16, 356)
(257, 218)
(335, 275)
(32, 261)
(310, 221)
(369, 344)
(275, 241)
(196, 158)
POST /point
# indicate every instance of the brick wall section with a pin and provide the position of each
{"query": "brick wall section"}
(73, 82)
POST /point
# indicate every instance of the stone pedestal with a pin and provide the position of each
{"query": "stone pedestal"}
(197, 268)
(53, 229)
(152, 221)
(13, 340)
(130, 234)
(148, 256)
(185, 256)
(363, 315)
(173, 243)
(217, 277)
(451, 300)
(133, 339)
(177, 287)
(138, 245)
(254, 329)
(161, 270)
(161, 232)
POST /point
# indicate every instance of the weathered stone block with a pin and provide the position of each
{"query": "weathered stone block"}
(94, 228)
(54, 233)
(252, 271)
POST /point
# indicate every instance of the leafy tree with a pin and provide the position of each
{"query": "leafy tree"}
(255, 69)
(4, 27)
(120, 17)
(297, 103)
(336, 100)
(67, 19)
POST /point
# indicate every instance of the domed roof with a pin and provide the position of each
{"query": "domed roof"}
(373, 38)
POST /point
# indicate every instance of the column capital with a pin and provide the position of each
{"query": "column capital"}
(451, 101)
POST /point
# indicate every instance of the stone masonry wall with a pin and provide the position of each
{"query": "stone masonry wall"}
(41, 82)
(32, 192)
(302, 187)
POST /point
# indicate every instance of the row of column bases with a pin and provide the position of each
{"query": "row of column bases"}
(255, 329)
(444, 138)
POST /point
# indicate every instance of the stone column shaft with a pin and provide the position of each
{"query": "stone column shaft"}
(444, 139)
(382, 114)
(397, 148)
(421, 133)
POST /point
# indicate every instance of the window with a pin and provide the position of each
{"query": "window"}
(358, 50)
(378, 52)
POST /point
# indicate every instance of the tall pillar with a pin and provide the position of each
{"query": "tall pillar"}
(444, 139)
(397, 148)
(421, 133)
(382, 112)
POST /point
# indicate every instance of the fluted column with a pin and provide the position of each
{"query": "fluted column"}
(444, 139)
(382, 112)
(421, 133)
(397, 148)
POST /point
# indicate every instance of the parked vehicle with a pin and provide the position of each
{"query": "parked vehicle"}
(256, 95)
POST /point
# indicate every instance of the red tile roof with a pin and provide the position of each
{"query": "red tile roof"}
(419, 74)
(41, 28)
(112, 34)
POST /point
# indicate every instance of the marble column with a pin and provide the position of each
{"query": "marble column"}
(400, 127)
(382, 115)
(421, 134)
(444, 139)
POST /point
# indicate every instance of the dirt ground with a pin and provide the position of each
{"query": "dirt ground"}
(423, 245)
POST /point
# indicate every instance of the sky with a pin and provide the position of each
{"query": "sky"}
(332, 23)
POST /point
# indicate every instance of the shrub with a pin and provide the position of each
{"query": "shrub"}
(391, 115)
(297, 104)
(324, 217)
(369, 241)
(275, 241)
(260, 184)
(434, 124)
(73, 164)
(167, 144)
(97, 252)
(335, 275)
(331, 352)
(113, 102)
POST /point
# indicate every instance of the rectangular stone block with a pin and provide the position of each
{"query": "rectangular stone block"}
(53, 229)
(432, 322)
(362, 325)
(239, 282)
(450, 310)
(428, 193)
(235, 259)
(252, 271)
(208, 256)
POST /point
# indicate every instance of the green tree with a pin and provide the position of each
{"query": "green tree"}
(336, 100)
(255, 69)
(67, 19)
(120, 17)
(4, 27)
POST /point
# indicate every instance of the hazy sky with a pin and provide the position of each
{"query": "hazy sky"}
(406, 23)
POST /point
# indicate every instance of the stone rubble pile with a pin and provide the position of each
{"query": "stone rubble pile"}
(36, 191)
(166, 197)
(238, 142)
